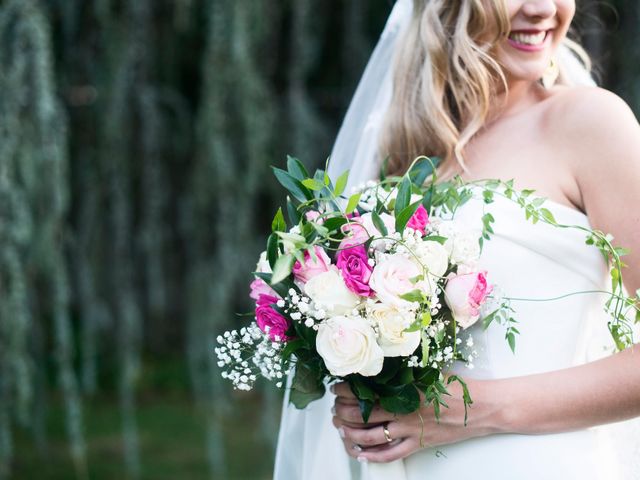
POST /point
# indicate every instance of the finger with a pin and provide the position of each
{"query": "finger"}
(388, 453)
(343, 389)
(370, 437)
(349, 413)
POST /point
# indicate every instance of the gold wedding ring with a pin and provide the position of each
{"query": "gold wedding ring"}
(387, 435)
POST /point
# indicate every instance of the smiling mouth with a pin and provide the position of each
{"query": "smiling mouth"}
(529, 39)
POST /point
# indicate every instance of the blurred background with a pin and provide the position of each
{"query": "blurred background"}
(135, 194)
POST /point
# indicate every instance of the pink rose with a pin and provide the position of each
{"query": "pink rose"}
(311, 267)
(356, 271)
(419, 220)
(313, 215)
(465, 294)
(270, 321)
(259, 287)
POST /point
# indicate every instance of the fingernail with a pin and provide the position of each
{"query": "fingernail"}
(357, 447)
(341, 432)
(362, 459)
(332, 388)
(333, 410)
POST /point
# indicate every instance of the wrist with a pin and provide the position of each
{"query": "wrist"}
(493, 410)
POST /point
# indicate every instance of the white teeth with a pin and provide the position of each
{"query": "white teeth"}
(528, 38)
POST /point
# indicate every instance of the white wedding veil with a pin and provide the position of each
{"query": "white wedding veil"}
(308, 445)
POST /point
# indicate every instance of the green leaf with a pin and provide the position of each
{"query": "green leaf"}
(291, 348)
(511, 339)
(547, 215)
(292, 213)
(379, 224)
(293, 185)
(404, 195)
(278, 224)
(405, 401)
(403, 218)
(282, 268)
(295, 168)
(486, 321)
(436, 238)
(334, 223)
(353, 202)
(312, 184)
(306, 386)
(421, 170)
(360, 389)
(341, 183)
(466, 396)
(366, 406)
(425, 342)
(272, 249)
(413, 296)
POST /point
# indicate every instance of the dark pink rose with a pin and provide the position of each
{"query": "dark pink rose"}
(353, 262)
(303, 272)
(260, 287)
(270, 321)
(419, 220)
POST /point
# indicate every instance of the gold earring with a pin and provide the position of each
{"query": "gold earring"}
(551, 74)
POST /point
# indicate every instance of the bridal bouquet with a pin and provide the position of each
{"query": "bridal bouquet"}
(377, 289)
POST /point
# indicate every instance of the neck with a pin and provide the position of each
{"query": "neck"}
(520, 95)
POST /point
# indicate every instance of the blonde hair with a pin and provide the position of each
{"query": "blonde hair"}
(445, 80)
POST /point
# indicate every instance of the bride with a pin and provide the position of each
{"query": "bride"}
(496, 90)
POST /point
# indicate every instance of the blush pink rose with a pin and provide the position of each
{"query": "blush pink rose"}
(259, 287)
(356, 271)
(465, 294)
(314, 216)
(270, 321)
(419, 220)
(303, 272)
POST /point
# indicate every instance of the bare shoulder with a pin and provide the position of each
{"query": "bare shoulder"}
(598, 132)
(592, 111)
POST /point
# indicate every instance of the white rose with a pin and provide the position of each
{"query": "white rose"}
(392, 338)
(391, 278)
(433, 256)
(328, 291)
(348, 345)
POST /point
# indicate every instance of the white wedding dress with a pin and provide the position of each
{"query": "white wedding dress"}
(525, 261)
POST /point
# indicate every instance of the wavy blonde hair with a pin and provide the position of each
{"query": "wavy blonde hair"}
(445, 80)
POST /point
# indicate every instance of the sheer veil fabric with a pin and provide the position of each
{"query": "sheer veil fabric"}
(309, 447)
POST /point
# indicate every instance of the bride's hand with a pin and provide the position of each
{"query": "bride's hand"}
(407, 433)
